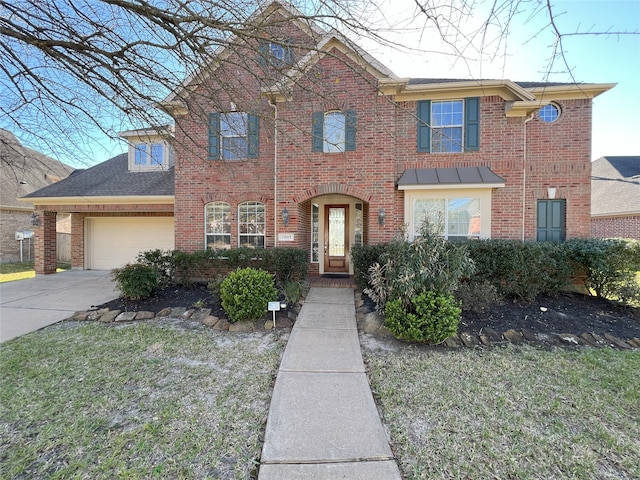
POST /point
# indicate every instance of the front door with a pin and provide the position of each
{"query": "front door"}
(336, 238)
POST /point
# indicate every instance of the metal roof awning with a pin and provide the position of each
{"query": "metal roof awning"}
(441, 178)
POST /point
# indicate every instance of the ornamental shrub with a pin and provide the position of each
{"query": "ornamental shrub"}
(432, 318)
(363, 258)
(246, 292)
(406, 269)
(136, 280)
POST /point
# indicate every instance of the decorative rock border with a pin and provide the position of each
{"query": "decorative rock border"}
(201, 315)
(372, 322)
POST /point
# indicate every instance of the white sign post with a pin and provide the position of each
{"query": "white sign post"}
(274, 307)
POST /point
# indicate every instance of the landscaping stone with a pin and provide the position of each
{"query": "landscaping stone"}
(589, 340)
(570, 339)
(617, 342)
(201, 314)
(165, 312)
(81, 316)
(110, 316)
(126, 317)
(222, 324)
(292, 315)
(144, 315)
(210, 320)
(634, 342)
(469, 340)
(529, 335)
(492, 335)
(245, 326)
(453, 342)
(176, 312)
(187, 314)
(514, 336)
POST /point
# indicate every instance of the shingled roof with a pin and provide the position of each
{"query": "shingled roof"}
(110, 178)
(615, 186)
(24, 170)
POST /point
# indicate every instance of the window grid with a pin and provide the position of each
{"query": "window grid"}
(334, 132)
(447, 119)
(156, 154)
(549, 113)
(141, 154)
(454, 218)
(251, 225)
(315, 235)
(218, 226)
(233, 135)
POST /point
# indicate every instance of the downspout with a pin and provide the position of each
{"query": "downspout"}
(524, 173)
(275, 171)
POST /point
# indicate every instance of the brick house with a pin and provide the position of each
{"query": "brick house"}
(615, 197)
(323, 148)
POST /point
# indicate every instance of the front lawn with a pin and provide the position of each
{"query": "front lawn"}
(134, 401)
(510, 412)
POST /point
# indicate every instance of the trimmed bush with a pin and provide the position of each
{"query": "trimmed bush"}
(433, 318)
(430, 263)
(363, 258)
(519, 269)
(136, 280)
(287, 264)
(246, 292)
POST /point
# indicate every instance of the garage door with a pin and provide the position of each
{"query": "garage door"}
(111, 242)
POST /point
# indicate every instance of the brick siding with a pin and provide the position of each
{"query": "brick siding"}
(627, 226)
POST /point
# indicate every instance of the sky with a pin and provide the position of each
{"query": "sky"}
(523, 55)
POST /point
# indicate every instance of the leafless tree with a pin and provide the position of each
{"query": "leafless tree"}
(74, 66)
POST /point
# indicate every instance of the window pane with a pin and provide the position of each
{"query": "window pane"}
(233, 130)
(334, 132)
(251, 224)
(463, 217)
(447, 119)
(549, 113)
(431, 210)
(156, 154)
(234, 148)
(315, 239)
(218, 225)
(277, 51)
(141, 154)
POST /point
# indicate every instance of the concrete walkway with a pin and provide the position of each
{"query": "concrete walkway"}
(323, 422)
(34, 303)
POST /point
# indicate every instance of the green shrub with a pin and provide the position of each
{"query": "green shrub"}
(292, 290)
(363, 258)
(610, 264)
(432, 318)
(246, 292)
(136, 280)
(287, 264)
(430, 263)
(521, 269)
(476, 295)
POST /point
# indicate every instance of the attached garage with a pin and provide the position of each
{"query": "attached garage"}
(112, 242)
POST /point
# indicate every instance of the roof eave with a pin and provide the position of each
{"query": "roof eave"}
(451, 186)
(101, 200)
(506, 89)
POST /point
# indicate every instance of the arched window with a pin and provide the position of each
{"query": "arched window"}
(251, 224)
(217, 218)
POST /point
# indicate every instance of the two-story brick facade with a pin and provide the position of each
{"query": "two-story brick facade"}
(299, 138)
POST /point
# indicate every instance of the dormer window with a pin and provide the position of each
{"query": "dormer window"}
(149, 149)
(277, 53)
(148, 154)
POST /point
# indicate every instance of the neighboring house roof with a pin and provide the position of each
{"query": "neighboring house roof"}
(23, 170)
(111, 178)
(615, 186)
(483, 177)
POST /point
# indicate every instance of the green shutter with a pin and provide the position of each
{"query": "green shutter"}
(263, 53)
(317, 131)
(252, 136)
(214, 136)
(288, 52)
(472, 123)
(350, 131)
(424, 126)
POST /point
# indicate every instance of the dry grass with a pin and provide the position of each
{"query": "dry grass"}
(136, 401)
(522, 413)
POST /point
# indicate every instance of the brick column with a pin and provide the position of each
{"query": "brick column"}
(45, 243)
(77, 240)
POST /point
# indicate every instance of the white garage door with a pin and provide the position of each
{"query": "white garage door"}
(111, 242)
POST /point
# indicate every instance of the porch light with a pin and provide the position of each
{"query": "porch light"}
(34, 219)
(285, 216)
(381, 215)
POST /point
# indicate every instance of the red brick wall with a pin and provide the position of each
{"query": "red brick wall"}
(627, 226)
(556, 155)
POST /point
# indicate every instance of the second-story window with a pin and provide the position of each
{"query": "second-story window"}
(446, 126)
(148, 154)
(334, 131)
(233, 136)
(449, 126)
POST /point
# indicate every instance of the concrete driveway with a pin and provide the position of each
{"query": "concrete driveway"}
(31, 304)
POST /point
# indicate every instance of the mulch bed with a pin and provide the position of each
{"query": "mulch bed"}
(566, 313)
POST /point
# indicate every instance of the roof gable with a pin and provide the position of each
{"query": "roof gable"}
(615, 186)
